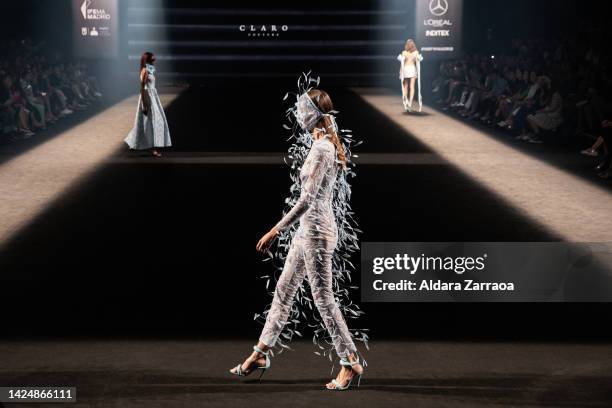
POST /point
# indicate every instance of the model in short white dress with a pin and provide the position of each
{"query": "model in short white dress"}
(150, 130)
(409, 64)
(410, 68)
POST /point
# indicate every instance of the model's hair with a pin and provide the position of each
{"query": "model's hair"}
(147, 58)
(410, 45)
(322, 100)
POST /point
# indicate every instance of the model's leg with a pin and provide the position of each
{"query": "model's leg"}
(318, 262)
(412, 82)
(404, 90)
(318, 258)
(290, 280)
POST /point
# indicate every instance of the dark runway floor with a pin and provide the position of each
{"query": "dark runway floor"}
(121, 373)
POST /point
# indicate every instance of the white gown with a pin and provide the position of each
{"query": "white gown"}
(149, 130)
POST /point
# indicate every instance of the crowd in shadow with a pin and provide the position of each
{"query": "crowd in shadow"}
(38, 88)
(539, 91)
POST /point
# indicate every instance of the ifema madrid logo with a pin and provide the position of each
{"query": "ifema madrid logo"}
(93, 13)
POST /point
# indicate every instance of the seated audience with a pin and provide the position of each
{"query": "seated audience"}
(539, 90)
(36, 93)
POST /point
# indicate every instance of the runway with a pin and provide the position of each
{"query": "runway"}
(162, 373)
(34, 179)
(574, 210)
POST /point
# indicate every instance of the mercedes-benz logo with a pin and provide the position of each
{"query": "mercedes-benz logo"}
(438, 7)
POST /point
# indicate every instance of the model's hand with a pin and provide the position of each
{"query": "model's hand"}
(266, 241)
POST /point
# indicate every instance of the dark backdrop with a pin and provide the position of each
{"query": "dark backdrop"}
(353, 43)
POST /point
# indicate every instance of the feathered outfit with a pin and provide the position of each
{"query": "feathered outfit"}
(320, 247)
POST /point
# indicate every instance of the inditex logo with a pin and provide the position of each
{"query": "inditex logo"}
(438, 7)
(437, 33)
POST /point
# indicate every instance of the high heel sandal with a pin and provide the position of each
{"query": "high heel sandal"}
(345, 363)
(263, 368)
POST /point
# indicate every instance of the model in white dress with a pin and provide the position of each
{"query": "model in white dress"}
(410, 72)
(150, 129)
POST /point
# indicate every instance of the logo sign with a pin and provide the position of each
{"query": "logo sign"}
(263, 30)
(438, 7)
(439, 23)
(96, 28)
(437, 33)
(90, 13)
(438, 28)
(84, 6)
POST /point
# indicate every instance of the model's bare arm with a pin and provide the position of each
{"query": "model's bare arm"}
(146, 102)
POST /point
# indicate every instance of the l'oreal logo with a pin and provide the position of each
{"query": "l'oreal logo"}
(437, 23)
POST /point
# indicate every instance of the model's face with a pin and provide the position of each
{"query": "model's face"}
(306, 113)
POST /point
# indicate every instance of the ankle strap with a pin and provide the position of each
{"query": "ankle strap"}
(260, 351)
(344, 362)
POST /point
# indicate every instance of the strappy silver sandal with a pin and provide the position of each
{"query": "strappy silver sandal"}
(263, 368)
(345, 363)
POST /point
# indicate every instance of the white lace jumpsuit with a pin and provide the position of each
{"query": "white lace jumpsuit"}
(311, 251)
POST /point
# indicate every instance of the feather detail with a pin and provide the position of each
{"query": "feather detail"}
(303, 311)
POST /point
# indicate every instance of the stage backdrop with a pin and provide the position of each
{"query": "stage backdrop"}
(439, 27)
(95, 26)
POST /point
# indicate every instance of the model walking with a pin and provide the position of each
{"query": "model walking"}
(311, 252)
(151, 127)
(410, 73)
